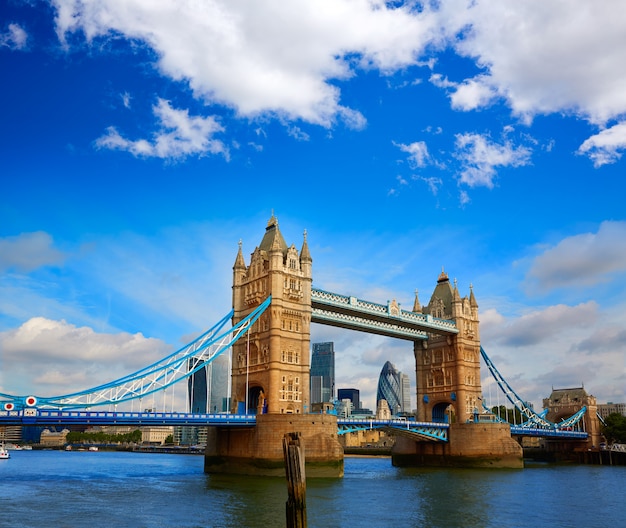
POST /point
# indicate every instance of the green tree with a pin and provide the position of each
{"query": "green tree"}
(615, 428)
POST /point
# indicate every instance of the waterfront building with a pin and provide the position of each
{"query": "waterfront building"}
(604, 409)
(156, 434)
(323, 372)
(53, 438)
(390, 388)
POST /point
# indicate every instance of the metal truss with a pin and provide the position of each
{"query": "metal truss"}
(512, 396)
(156, 377)
(535, 421)
(434, 432)
(383, 319)
(44, 417)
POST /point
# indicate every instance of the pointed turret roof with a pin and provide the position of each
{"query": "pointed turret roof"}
(417, 307)
(239, 261)
(472, 299)
(443, 292)
(305, 255)
(273, 238)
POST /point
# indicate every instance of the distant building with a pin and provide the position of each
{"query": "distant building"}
(350, 394)
(604, 409)
(405, 392)
(323, 372)
(53, 438)
(208, 386)
(390, 388)
(156, 434)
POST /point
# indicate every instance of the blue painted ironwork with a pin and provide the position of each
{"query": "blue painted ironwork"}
(156, 377)
(430, 431)
(45, 417)
(389, 320)
(535, 421)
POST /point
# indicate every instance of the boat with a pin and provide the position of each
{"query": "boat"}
(4, 454)
(93, 448)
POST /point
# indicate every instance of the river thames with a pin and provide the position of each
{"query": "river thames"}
(108, 489)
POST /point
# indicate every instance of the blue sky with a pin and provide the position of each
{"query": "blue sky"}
(141, 140)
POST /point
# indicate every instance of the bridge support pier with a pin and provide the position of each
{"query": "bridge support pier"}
(258, 450)
(471, 445)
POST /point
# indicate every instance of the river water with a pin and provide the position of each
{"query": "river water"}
(59, 489)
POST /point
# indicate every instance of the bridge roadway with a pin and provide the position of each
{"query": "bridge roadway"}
(431, 431)
(383, 319)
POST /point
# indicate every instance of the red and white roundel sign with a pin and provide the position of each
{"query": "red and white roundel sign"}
(31, 401)
(9, 406)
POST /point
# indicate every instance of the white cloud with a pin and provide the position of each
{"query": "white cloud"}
(15, 37)
(70, 358)
(545, 57)
(540, 325)
(265, 57)
(417, 151)
(581, 260)
(180, 135)
(480, 156)
(472, 93)
(29, 251)
(604, 148)
(557, 346)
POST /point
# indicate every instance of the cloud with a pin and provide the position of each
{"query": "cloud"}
(417, 151)
(479, 157)
(581, 260)
(180, 135)
(265, 57)
(71, 358)
(543, 57)
(14, 38)
(29, 251)
(538, 326)
(469, 94)
(604, 147)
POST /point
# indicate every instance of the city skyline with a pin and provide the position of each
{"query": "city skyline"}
(140, 146)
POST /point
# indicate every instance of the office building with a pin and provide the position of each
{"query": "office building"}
(323, 373)
(389, 388)
(350, 394)
(405, 391)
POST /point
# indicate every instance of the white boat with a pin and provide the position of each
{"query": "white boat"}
(4, 454)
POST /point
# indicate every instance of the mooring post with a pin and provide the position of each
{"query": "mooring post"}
(296, 480)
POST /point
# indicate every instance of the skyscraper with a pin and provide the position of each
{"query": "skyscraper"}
(208, 386)
(390, 388)
(323, 372)
(353, 395)
(405, 388)
(197, 387)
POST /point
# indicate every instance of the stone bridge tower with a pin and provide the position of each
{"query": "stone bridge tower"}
(271, 366)
(448, 367)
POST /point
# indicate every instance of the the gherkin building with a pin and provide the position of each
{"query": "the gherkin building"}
(390, 387)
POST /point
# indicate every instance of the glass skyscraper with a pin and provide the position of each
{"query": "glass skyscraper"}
(390, 388)
(323, 373)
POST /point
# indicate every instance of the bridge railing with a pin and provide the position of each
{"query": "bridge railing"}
(359, 305)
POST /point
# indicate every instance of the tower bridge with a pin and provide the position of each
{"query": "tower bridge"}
(273, 306)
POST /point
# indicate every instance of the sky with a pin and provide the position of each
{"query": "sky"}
(141, 140)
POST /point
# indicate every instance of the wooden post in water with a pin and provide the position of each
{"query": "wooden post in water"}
(296, 480)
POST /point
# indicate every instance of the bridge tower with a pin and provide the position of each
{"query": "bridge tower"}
(448, 367)
(271, 367)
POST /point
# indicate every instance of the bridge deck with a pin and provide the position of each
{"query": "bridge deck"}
(388, 320)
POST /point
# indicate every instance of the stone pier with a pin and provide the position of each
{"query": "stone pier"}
(258, 450)
(471, 445)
